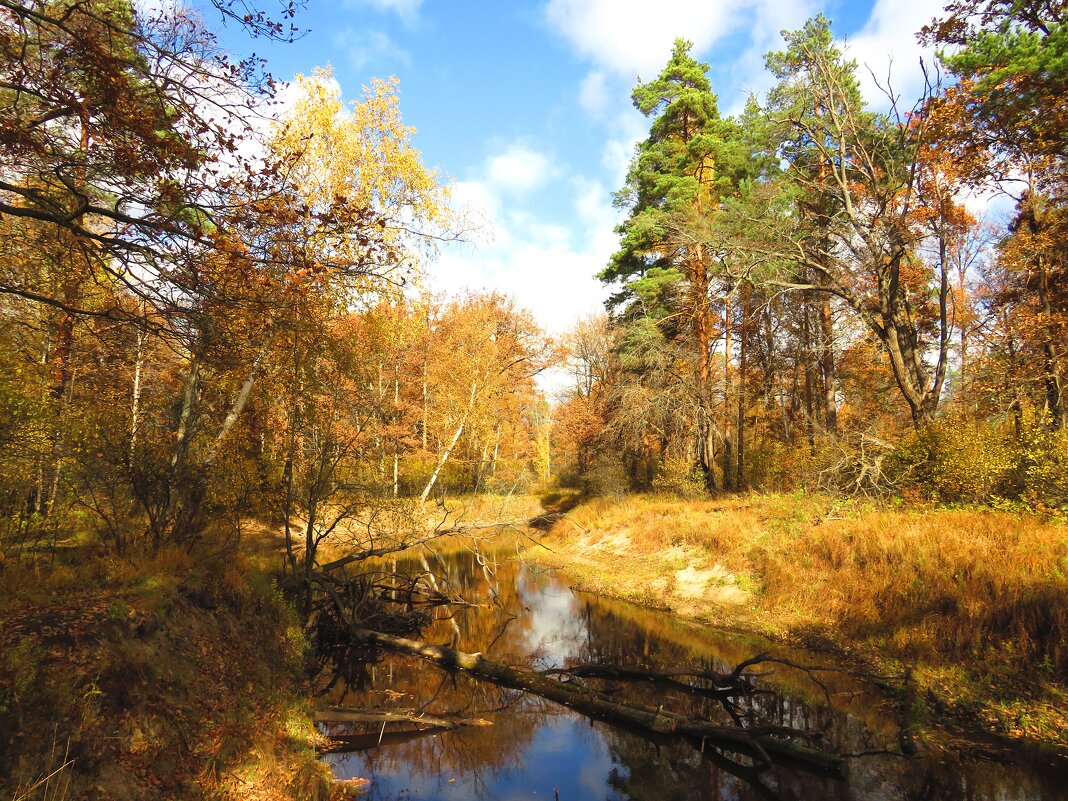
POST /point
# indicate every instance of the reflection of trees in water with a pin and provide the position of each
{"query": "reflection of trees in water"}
(477, 753)
(518, 616)
(845, 714)
(670, 640)
(678, 772)
(396, 682)
(675, 772)
(951, 780)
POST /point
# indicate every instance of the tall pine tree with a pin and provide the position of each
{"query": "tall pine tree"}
(679, 176)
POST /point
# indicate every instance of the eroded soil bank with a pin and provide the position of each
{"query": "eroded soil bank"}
(973, 603)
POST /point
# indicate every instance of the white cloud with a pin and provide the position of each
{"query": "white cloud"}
(475, 195)
(593, 204)
(629, 37)
(547, 265)
(886, 47)
(629, 128)
(519, 169)
(747, 74)
(154, 9)
(553, 278)
(623, 39)
(363, 47)
(405, 9)
(989, 205)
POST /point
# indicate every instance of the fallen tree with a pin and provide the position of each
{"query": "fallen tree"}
(341, 714)
(413, 725)
(762, 742)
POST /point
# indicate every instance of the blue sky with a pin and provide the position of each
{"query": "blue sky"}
(525, 107)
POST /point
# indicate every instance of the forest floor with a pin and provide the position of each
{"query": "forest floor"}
(176, 675)
(974, 602)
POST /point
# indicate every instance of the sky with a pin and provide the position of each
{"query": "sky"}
(524, 107)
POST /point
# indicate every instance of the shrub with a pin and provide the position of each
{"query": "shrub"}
(958, 460)
(1043, 467)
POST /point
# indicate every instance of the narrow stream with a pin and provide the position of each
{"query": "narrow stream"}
(535, 749)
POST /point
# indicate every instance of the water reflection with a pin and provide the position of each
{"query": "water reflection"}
(538, 750)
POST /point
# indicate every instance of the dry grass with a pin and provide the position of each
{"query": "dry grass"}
(976, 599)
(164, 676)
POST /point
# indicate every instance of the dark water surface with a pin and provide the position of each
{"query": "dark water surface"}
(535, 749)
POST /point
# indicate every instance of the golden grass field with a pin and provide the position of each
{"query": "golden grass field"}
(975, 601)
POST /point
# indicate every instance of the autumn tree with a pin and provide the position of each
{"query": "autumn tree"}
(579, 419)
(887, 214)
(1009, 62)
(363, 153)
(484, 353)
(120, 130)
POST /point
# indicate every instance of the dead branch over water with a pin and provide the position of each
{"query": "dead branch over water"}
(763, 742)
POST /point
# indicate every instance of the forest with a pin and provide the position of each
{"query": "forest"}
(805, 298)
(828, 391)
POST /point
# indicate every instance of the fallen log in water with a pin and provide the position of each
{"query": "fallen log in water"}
(725, 686)
(341, 714)
(630, 673)
(352, 743)
(414, 725)
(763, 742)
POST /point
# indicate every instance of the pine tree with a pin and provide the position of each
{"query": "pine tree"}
(679, 176)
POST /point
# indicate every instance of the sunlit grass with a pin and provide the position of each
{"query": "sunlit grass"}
(927, 587)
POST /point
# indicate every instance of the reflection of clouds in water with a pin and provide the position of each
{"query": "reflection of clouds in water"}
(556, 630)
(570, 759)
(594, 774)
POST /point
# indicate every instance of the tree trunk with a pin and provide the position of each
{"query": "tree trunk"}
(830, 405)
(728, 478)
(702, 344)
(426, 365)
(135, 400)
(396, 428)
(445, 456)
(1052, 375)
(739, 479)
(185, 416)
(806, 355)
(756, 741)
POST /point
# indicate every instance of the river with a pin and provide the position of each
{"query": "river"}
(535, 749)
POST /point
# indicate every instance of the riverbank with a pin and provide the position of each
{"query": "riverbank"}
(153, 677)
(178, 674)
(973, 602)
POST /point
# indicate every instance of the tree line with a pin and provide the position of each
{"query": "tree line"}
(803, 297)
(206, 303)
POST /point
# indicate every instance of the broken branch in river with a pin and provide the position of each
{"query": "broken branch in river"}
(762, 742)
(412, 726)
(341, 714)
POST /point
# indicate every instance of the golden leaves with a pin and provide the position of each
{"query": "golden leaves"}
(361, 155)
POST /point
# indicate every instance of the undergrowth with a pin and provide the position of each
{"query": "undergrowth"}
(176, 675)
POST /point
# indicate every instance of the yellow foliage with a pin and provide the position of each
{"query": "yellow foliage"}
(363, 154)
